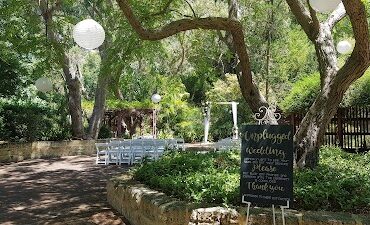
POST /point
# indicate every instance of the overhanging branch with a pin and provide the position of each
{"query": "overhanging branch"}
(336, 16)
(250, 90)
(303, 15)
(360, 57)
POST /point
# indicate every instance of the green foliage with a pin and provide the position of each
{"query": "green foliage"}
(175, 113)
(293, 60)
(359, 92)
(226, 90)
(90, 71)
(199, 72)
(305, 91)
(121, 104)
(176, 116)
(104, 132)
(211, 178)
(340, 183)
(31, 120)
(10, 80)
(302, 95)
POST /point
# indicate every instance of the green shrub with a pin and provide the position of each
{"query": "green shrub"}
(340, 183)
(104, 132)
(211, 178)
(226, 90)
(359, 92)
(302, 95)
(31, 120)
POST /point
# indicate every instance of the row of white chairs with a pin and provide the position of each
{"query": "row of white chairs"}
(228, 144)
(133, 151)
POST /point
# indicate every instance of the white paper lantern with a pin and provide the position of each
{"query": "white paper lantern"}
(344, 47)
(324, 6)
(44, 84)
(88, 34)
(156, 98)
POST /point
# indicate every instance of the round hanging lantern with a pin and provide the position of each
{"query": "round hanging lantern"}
(88, 34)
(344, 47)
(324, 6)
(44, 84)
(156, 98)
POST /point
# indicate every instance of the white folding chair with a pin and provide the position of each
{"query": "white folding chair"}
(114, 152)
(102, 153)
(160, 147)
(126, 152)
(138, 152)
(180, 143)
(149, 148)
(172, 144)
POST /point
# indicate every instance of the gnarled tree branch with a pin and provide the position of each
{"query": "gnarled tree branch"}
(361, 53)
(303, 15)
(315, 26)
(336, 16)
(249, 90)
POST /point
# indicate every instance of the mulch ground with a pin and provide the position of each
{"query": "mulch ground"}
(69, 190)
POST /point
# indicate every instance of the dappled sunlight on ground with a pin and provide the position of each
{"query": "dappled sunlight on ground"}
(69, 190)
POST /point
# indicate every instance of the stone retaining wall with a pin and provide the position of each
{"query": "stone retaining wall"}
(14, 152)
(143, 206)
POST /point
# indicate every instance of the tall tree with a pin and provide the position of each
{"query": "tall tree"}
(72, 82)
(334, 81)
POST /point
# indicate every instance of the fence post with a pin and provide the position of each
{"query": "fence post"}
(340, 127)
(119, 124)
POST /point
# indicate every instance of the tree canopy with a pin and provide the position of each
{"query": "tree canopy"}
(190, 52)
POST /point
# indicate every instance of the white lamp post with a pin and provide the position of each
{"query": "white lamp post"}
(156, 98)
(344, 47)
(44, 84)
(88, 34)
(324, 6)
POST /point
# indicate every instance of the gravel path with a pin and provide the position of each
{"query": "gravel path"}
(69, 190)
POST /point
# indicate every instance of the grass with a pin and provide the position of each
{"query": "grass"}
(341, 182)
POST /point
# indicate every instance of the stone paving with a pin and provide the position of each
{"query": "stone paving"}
(69, 190)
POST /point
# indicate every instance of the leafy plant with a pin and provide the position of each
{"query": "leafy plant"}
(359, 92)
(30, 120)
(340, 183)
(226, 90)
(302, 95)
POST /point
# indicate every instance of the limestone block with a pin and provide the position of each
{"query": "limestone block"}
(142, 206)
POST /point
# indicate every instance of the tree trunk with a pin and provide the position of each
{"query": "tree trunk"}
(72, 82)
(74, 101)
(118, 93)
(99, 107)
(101, 90)
(247, 86)
(334, 81)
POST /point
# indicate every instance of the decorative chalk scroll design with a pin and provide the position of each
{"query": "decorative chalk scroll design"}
(267, 115)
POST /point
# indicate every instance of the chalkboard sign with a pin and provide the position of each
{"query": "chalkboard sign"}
(267, 164)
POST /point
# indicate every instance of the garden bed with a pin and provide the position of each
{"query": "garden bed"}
(341, 183)
(144, 206)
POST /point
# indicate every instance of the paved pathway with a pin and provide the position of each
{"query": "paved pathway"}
(69, 190)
